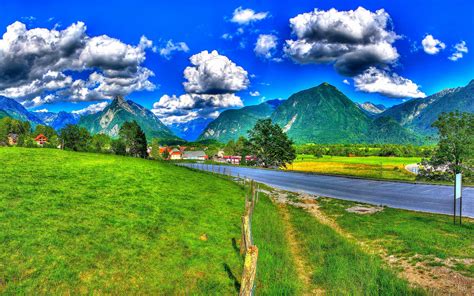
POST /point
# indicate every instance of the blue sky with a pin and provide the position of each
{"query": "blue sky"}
(201, 25)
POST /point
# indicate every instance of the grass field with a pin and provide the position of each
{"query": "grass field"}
(415, 236)
(81, 223)
(339, 266)
(78, 223)
(377, 167)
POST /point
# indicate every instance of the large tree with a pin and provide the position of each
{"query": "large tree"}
(455, 149)
(270, 145)
(74, 138)
(134, 139)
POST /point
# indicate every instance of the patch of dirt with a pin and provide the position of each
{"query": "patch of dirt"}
(437, 280)
(364, 210)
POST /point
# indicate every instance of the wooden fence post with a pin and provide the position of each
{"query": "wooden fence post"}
(250, 270)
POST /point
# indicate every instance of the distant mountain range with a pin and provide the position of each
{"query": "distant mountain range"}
(233, 123)
(371, 109)
(110, 120)
(321, 114)
(58, 120)
(418, 114)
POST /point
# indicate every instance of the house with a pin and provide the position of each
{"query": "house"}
(175, 154)
(41, 139)
(12, 139)
(195, 155)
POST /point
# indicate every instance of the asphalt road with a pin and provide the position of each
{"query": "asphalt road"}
(416, 197)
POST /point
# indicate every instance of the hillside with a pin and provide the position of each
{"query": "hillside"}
(419, 114)
(86, 228)
(15, 110)
(231, 124)
(109, 120)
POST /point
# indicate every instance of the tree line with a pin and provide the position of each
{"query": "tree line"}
(131, 139)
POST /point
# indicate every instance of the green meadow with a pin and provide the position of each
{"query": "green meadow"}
(78, 223)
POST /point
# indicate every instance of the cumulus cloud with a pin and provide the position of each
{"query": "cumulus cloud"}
(432, 45)
(39, 65)
(459, 50)
(211, 83)
(170, 48)
(91, 109)
(254, 93)
(266, 46)
(345, 81)
(212, 73)
(174, 109)
(353, 40)
(44, 110)
(246, 16)
(388, 84)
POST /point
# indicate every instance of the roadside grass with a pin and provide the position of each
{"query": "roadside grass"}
(276, 273)
(374, 167)
(340, 266)
(411, 235)
(82, 223)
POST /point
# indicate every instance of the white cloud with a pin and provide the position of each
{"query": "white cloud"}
(254, 93)
(391, 85)
(170, 48)
(42, 110)
(266, 46)
(459, 50)
(431, 45)
(353, 40)
(91, 109)
(246, 16)
(37, 65)
(345, 81)
(211, 83)
(212, 73)
(179, 109)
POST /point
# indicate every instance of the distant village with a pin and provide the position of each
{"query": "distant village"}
(188, 153)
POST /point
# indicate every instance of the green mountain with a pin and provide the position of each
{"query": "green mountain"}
(323, 114)
(13, 109)
(419, 114)
(231, 124)
(110, 120)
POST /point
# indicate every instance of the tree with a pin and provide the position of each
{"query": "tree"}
(134, 139)
(100, 143)
(455, 149)
(270, 145)
(155, 149)
(118, 147)
(74, 138)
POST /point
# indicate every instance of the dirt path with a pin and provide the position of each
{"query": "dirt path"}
(302, 266)
(437, 280)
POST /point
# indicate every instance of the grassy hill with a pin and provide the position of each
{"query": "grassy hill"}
(73, 223)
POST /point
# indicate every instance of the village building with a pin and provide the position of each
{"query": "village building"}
(12, 139)
(175, 154)
(195, 155)
(41, 139)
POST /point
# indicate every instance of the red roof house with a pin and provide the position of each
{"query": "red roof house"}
(41, 139)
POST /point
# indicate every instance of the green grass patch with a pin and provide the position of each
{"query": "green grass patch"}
(340, 267)
(276, 273)
(407, 233)
(80, 223)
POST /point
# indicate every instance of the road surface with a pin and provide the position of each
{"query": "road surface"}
(416, 197)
